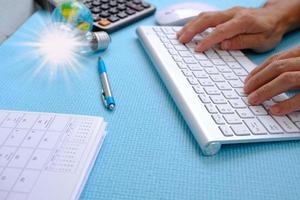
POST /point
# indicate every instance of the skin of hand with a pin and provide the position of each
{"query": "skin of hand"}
(239, 28)
(276, 75)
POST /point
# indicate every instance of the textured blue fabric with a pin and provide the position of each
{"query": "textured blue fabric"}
(149, 152)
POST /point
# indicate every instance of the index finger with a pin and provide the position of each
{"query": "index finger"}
(222, 32)
(202, 22)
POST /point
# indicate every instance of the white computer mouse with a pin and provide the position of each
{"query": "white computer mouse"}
(180, 14)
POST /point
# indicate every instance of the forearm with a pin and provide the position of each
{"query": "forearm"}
(288, 12)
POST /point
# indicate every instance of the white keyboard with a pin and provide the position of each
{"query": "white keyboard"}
(208, 89)
(46, 155)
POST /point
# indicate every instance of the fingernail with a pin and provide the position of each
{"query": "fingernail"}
(199, 47)
(253, 98)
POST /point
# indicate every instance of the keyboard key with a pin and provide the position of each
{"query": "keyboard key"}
(211, 108)
(6, 154)
(230, 76)
(229, 94)
(270, 124)
(295, 117)
(255, 126)
(218, 61)
(205, 63)
(234, 65)
(187, 72)
(280, 97)
(180, 47)
(38, 159)
(244, 113)
(16, 137)
(286, 124)
(235, 53)
(228, 58)
(43, 122)
(27, 121)
(210, 53)
(211, 90)
(218, 99)
(223, 86)
(192, 80)
(225, 109)
(177, 58)
(240, 92)
(237, 103)
(189, 60)
(8, 178)
(4, 133)
(198, 89)
(49, 140)
(218, 119)
(217, 78)
(258, 110)
(200, 56)
(195, 67)
(20, 158)
(204, 98)
(268, 104)
(232, 119)
(223, 69)
(211, 71)
(205, 82)
(236, 83)
(12, 120)
(172, 51)
(32, 139)
(3, 194)
(240, 130)
(226, 130)
(246, 63)
(185, 53)
(240, 72)
(182, 65)
(200, 74)
(26, 181)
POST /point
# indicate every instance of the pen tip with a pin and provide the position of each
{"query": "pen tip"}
(111, 107)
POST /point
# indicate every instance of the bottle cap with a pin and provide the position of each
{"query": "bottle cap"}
(103, 40)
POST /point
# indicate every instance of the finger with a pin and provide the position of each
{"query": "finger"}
(203, 21)
(287, 106)
(188, 24)
(270, 72)
(222, 32)
(240, 42)
(284, 82)
(279, 56)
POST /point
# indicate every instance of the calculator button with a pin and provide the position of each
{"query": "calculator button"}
(104, 6)
(113, 3)
(130, 11)
(104, 1)
(95, 10)
(122, 15)
(104, 14)
(96, 3)
(113, 18)
(103, 22)
(145, 5)
(113, 10)
(121, 7)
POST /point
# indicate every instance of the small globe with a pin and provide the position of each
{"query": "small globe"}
(74, 14)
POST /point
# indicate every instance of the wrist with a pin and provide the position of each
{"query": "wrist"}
(287, 14)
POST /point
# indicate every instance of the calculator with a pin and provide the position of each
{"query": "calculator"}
(111, 15)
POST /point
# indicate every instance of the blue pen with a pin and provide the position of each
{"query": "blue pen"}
(107, 96)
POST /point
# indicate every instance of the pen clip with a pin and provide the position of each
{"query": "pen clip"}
(104, 99)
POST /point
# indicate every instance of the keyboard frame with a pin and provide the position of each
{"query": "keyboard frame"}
(206, 132)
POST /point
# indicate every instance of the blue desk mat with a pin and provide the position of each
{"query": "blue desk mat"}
(149, 152)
